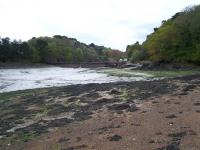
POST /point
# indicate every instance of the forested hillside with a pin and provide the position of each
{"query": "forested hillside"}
(57, 49)
(176, 40)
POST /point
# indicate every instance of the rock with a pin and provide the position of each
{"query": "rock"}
(59, 122)
(131, 65)
(122, 106)
(133, 108)
(63, 140)
(197, 104)
(102, 101)
(80, 116)
(152, 141)
(177, 136)
(171, 116)
(115, 138)
(114, 91)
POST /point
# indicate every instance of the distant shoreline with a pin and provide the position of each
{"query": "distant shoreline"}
(155, 66)
(16, 65)
(13, 65)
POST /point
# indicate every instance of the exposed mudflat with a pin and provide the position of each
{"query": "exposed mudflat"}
(31, 78)
(140, 115)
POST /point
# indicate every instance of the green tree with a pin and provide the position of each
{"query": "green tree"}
(42, 47)
(79, 54)
(67, 53)
(136, 52)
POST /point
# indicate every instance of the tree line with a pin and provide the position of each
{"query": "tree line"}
(176, 40)
(14, 50)
(56, 49)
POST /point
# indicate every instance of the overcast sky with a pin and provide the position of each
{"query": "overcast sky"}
(112, 23)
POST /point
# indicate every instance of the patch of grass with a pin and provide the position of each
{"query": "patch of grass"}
(56, 147)
(18, 137)
(45, 109)
(27, 136)
(11, 95)
(173, 73)
(124, 73)
(125, 96)
(148, 74)
(5, 97)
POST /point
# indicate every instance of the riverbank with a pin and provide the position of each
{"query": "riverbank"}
(165, 66)
(18, 65)
(160, 114)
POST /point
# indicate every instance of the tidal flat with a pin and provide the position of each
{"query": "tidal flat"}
(94, 115)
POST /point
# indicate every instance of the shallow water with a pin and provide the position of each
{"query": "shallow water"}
(21, 79)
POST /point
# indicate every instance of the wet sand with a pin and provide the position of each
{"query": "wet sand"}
(142, 115)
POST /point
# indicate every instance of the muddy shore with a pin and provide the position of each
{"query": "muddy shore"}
(142, 115)
(17, 65)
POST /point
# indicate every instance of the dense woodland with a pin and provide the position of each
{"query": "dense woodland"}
(176, 40)
(57, 49)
